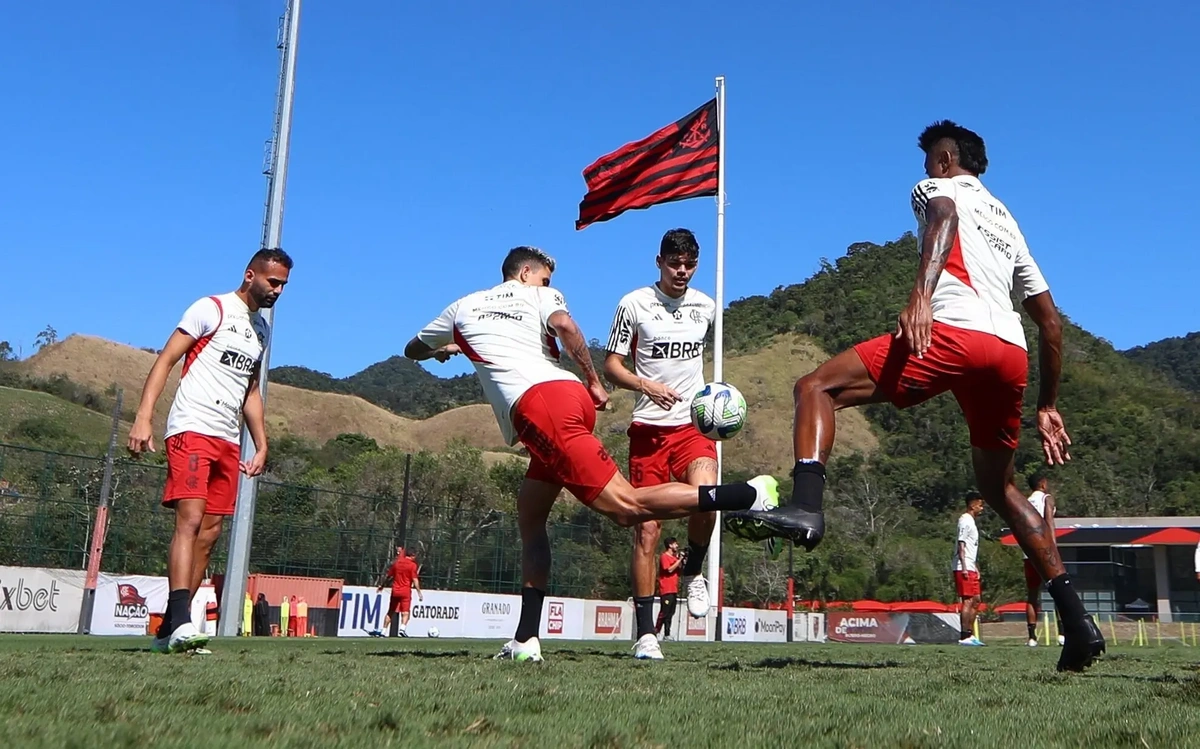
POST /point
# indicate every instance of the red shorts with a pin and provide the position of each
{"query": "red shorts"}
(401, 603)
(554, 420)
(1033, 579)
(658, 453)
(202, 467)
(986, 374)
(966, 584)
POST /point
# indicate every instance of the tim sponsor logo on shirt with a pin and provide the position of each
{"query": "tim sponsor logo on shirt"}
(676, 349)
(554, 621)
(608, 620)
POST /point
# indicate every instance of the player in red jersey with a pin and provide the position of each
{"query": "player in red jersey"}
(662, 327)
(222, 338)
(405, 575)
(511, 334)
(669, 563)
(959, 332)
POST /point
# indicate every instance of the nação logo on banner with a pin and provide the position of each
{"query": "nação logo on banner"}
(21, 597)
(130, 603)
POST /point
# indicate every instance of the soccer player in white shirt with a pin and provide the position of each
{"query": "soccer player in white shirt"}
(511, 333)
(221, 339)
(1043, 503)
(958, 333)
(966, 571)
(663, 327)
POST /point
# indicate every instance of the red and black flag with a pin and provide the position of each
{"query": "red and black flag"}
(675, 163)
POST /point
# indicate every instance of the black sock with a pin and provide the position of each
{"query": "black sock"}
(643, 614)
(739, 496)
(177, 610)
(1032, 631)
(808, 483)
(531, 614)
(695, 559)
(1070, 609)
(963, 634)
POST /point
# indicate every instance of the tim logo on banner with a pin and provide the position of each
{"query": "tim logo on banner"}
(362, 611)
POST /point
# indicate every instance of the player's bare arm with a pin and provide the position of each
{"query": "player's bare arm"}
(141, 435)
(417, 350)
(619, 375)
(256, 423)
(1050, 423)
(567, 331)
(1050, 510)
(417, 585)
(916, 321)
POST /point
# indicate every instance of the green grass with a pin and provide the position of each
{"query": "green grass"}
(18, 405)
(79, 691)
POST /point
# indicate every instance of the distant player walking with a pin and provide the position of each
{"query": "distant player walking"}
(664, 326)
(966, 571)
(959, 332)
(669, 563)
(1043, 503)
(405, 575)
(511, 333)
(222, 338)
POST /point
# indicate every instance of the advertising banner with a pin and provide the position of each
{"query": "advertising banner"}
(562, 618)
(124, 603)
(40, 600)
(489, 616)
(362, 610)
(737, 624)
(816, 627)
(607, 620)
(442, 609)
(770, 625)
(880, 627)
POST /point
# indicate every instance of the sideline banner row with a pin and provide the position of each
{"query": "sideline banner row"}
(33, 599)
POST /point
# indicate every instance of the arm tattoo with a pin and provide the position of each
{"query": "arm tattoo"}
(936, 243)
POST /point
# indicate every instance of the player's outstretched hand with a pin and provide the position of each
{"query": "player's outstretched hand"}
(662, 396)
(445, 352)
(599, 396)
(256, 464)
(141, 439)
(915, 325)
(1054, 436)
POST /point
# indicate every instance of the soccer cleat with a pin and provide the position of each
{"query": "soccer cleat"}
(697, 596)
(766, 490)
(802, 527)
(403, 632)
(530, 651)
(1081, 647)
(186, 637)
(1033, 643)
(647, 648)
(160, 645)
(972, 641)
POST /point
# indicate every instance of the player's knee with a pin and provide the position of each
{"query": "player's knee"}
(646, 535)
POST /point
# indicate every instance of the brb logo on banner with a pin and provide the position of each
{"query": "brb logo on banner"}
(608, 620)
(130, 603)
(735, 625)
(22, 598)
(554, 622)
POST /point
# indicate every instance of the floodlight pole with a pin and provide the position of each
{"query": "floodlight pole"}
(237, 565)
(715, 587)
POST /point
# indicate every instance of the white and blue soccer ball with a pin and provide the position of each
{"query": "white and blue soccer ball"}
(718, 411)
(433, 632)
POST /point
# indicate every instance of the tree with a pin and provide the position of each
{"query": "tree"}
(48, 337)
(6, 352)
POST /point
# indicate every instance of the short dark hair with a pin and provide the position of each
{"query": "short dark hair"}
(1035, 480)
(972, 154)
(670, 540)
(972, 498)
(519, 257)
(271, 255)
(679, 242)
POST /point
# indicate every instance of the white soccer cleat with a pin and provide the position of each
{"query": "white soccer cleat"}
(186, 637)
(1033, 643)
(766, 490)
(647, 648)
(530, 650)
(160, 645)
(697, 596)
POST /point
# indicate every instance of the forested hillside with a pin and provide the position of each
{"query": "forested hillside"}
(1177, 358)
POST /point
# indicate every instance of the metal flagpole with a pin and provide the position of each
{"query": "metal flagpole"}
(714, 548)
(237, 566)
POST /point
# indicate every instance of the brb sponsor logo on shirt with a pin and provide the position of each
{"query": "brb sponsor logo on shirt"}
(676, 349)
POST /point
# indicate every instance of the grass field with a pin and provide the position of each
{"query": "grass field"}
(79, 691)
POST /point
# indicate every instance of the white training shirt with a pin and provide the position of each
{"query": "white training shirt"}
(666, 337)
(217, 368)
(1038, 500)
(975, 288)
(969, 535)
(503, 332)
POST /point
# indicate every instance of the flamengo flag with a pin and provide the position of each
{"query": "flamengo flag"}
(679, 161)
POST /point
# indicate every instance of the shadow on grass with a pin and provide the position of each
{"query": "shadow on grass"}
(413, 653)
(804, 663)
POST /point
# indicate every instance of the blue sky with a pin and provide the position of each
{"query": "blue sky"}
(429, 138)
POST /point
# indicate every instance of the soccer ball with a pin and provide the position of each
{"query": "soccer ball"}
(718, 411)
(433, 632)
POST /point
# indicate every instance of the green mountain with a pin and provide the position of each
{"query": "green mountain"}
(1177, 358)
